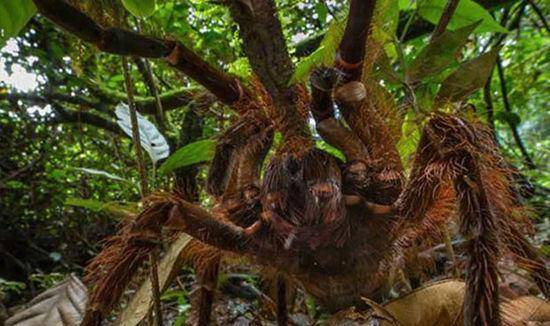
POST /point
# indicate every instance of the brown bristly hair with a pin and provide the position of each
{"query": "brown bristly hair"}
(108, 274)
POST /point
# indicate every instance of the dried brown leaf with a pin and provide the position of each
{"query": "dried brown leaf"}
(63, 304)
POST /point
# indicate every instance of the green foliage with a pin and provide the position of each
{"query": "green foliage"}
(467, 12)
(14, 14)
(439, 54)
(197, 152)
(469, 77)
(140, 8)
(46, 280)
(116, 209)
(410, 130)
(11, 287)
(181, 297)
(325, 53)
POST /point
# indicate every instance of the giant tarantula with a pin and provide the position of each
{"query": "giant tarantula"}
(332, 226)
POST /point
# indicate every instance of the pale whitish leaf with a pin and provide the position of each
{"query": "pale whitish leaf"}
(439, 53)
(467, 12)
(468, 78)
(61, 305)
(197, 152)
(140, 8)
(101, 173)
(141, 302)
(14, 14)
(151, 139)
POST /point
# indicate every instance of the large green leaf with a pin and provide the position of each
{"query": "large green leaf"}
(197, 152)
(439, 53)
(14, 14)
(410, 131)
(466, 13)
(468, 78)
(140, 8)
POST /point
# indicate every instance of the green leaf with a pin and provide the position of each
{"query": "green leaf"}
(197, 152)
(240, 68)
(468, 78)
(410, 131)
(466, 13)
(324, 55)
(322, 11)
(14, 15)
(113, 208)
(330, 149)
(439, 54)
(140, 8)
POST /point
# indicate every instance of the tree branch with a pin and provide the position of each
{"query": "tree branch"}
(68, 116)
(147, 105)
(445, 18)
(123, 42)
(265, 47)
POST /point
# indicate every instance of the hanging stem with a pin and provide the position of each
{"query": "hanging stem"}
(504, 92)
(490, 107)
(143, 180)
(135, 129)
(150, 81)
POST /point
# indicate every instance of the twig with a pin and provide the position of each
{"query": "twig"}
(150, 80)
(445, 19)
